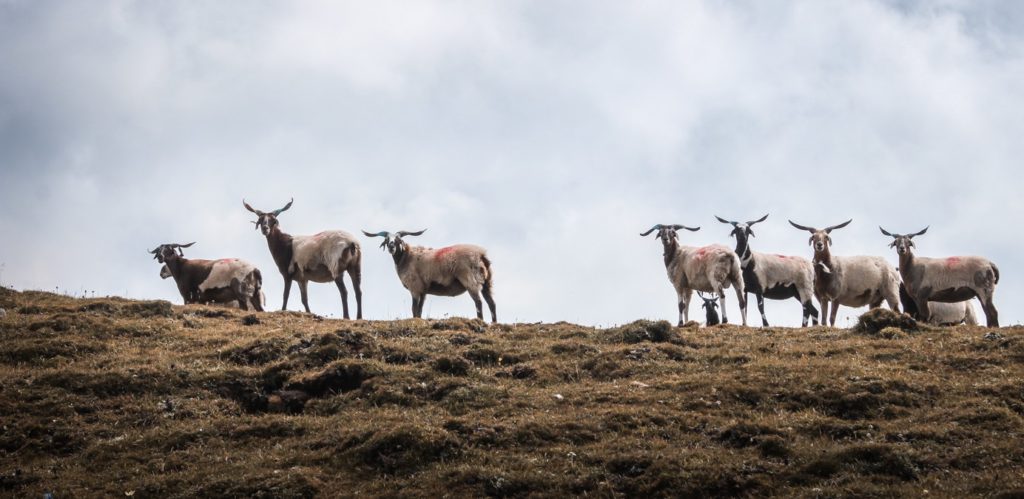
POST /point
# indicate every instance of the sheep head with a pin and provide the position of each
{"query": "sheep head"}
(710, 300)
(742, 230)
(820, 238)
(166, 252)
(393, 242)
(267, 220)
(902, 242)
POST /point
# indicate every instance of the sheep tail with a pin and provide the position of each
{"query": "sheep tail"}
(488, 283)
(996, 271)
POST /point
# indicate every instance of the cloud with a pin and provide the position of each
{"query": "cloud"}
(551, 133)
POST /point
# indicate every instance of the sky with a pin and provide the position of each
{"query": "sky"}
(550, 132)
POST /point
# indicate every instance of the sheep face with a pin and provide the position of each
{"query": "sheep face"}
(267, 220)
(902, 242)
(166, 252)
(820, 239)
(165, 272)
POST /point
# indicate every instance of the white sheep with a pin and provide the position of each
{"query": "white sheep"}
(323, 257)
(952, 279)
(711, 269)
(448, 271)
(852, 281)
(776, 277)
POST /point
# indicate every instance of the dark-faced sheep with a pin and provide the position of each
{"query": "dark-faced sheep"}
(776, 277)
(228, 280)
(322, 257)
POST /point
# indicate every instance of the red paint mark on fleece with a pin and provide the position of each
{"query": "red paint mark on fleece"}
(784, 257)
(318, 235)
(444, 251)
(227, 260)
(701, 252)
(953, 260)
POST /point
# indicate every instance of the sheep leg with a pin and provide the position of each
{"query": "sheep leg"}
(490, 301)
(340, 281)
(721, 300)
(823, 303)
(417, 305)
(924, 313)
(305, 298)
(356, 276)
(760, 308)
(989, 307)
(810, 312)
(835, 311)
(684, 307)
(287, 289)
(256, 301)
(475, 295)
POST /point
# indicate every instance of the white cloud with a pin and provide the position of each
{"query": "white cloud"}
(552, 133)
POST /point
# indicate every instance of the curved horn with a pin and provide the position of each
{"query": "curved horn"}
(250, 208)
(759, 220)
(887, 232)
(378, 234)
(840, 226)
(182, 245)
(720, 219)
(911, 236)
(279, 211)
(403, 233)
(691, 229)
(652, 229)
(803, 227)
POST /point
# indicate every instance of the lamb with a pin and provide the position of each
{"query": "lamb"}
(853, 281)
(776, 277)
(711, 307)
(324, 257)
(947, 280)
(940, 314)
(211, 281)
(448, 271)
(710, 268)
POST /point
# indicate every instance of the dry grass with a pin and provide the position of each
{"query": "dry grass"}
(103, 397)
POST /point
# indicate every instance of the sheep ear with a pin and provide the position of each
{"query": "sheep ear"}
(892, 244)
(810, 240)
(750, 231)
(829, 239)
(911, 241)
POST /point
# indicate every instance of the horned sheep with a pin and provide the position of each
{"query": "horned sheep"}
(710, 307)
(776, 277)
(952, 279)
(324, 257)
(448, 271)
(228, 280)
(710, 269)
(853, 281)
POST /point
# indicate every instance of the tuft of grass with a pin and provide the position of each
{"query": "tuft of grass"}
(885, 323)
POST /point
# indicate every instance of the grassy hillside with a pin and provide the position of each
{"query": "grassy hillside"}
(115, 397)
